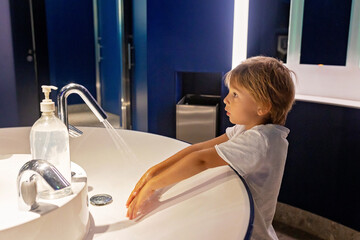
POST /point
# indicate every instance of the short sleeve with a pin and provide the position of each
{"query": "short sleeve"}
(243, 151)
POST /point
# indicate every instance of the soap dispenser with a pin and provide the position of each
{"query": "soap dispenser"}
(49, 140)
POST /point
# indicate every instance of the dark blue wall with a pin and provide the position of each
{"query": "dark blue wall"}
(181, 36)
(71, 56)
(110, 66)
(325, 32)
(139, 99)
(18, 66)
(8, 102)
(71, 44)
(322, 168)
(267, 20)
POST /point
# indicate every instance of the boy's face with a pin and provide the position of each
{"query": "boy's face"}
(241, 107)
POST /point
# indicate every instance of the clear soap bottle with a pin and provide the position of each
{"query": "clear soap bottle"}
(49, 140)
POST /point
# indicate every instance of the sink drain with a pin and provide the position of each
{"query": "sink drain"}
(101, 199)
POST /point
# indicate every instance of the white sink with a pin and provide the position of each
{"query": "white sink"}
(211, 205)
(64, 218)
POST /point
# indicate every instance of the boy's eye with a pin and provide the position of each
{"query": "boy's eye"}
(235, 94)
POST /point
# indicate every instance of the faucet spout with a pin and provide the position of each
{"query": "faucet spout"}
(85, 95)
(27, 179)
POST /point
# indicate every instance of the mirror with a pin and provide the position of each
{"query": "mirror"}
(325, 32)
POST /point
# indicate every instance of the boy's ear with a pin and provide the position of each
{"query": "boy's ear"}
(264, 109)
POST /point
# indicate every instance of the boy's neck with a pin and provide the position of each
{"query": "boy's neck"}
(261, 121)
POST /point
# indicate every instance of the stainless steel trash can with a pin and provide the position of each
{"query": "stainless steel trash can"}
(197, 117)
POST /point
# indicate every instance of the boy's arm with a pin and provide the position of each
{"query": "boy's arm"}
(157, 169)
(186, 167)
(193, 148)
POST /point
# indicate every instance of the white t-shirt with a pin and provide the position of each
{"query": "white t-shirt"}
(258, 155)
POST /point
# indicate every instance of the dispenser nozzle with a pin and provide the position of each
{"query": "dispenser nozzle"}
(46, 90)
(47, 105)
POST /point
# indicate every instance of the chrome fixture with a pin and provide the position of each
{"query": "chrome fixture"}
(88, 99)
(28, 177)
(101, 199)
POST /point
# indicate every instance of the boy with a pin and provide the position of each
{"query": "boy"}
(261, 93)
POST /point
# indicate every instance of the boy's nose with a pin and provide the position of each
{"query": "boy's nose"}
(226, 99)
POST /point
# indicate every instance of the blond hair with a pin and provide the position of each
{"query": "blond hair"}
(268, 81)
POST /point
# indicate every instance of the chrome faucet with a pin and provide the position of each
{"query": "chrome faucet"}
(88, 99)
(28, 177)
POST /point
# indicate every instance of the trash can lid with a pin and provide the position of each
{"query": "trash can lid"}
(207, 100)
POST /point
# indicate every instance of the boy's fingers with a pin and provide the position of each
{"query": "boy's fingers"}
(139, 185)
(134, 212)
(133, 209)
(140, 182)
(137, 189)
(130, 210)
(131, 197)
(129, 200)
(129, 213)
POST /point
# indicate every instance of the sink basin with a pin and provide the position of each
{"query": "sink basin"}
(64, 218)
(214, 204)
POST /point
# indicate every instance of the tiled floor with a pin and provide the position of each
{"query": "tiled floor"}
(285, 232)
(294, 223)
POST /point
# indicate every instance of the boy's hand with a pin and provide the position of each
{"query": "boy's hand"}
(140, 184)
(138, 200)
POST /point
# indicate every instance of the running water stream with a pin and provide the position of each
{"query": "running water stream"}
(119, 142)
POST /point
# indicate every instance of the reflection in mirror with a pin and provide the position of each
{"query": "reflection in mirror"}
(268, 28)
(325, 32)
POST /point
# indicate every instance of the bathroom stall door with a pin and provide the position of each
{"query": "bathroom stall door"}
(26, 65)
(112, 75)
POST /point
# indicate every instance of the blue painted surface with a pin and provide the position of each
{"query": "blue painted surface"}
(8, 101)
(139, 102)
(322, 167)
(267, 20)
(325, 32)
(71, 44)
(110, 65)
(27, 90)
(181, 35)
